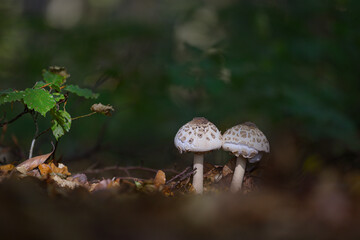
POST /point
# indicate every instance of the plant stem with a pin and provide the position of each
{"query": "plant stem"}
(15, 118)
(43, 132)
(35, 116)
(86, 115)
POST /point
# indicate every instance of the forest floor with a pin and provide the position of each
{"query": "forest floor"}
(42, 200)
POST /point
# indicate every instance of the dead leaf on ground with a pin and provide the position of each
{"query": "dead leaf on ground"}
(6, 168)
(80, 178)
(212, 174)
(32, 163)
(34, 173)
(166, 191)
(61, 170)
(105, 184)
(229, 167)
(160, 178)
(64, 182)
(44, 169)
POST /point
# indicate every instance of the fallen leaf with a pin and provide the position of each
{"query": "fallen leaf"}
(160, 178)
(61, 170)
(166, 191)
(80, 178)
(105, 184)
(44, 169)
(213, 174)
(229, 167)
(65, 183)
(34, 173)
(32, 163)
(6, 168)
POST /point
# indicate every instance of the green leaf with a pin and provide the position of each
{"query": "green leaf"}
(39, 100)
(61, 123)
(56, 80)
(82, 92)
(58, 96)
(11, 97)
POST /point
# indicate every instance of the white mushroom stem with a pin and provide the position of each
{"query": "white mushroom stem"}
(198, 176)
(238, 174)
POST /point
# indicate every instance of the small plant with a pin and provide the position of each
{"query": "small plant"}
(49, 96)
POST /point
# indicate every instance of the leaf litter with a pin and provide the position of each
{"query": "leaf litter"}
(275, 213)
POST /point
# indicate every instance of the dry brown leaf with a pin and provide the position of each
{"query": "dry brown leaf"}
(229, 167)
(6, 168)
(80, 178)
(213, 173)
(44, 169)
(160, 178)
(61, 169)
(65, 183)
(32, 163)
(100, 108)
(33, 173)
(166, 191)
(105, 184)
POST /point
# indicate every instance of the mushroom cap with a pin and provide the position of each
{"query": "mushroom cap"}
(198, 135)
(246, 140)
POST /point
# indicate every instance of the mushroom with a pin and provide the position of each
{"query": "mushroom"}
(198, 136)
(245, 141)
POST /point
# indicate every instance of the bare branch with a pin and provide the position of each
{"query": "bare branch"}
(185, 176)
(178, 175)
(26, 110)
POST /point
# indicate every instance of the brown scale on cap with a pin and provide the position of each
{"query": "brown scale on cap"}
(247, 134)
(199, 120)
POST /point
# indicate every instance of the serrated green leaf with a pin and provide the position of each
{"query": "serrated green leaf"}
(82, 92)
(61, 123)
(58, 96)
(54, 79)
(11, 97)
(39, 100)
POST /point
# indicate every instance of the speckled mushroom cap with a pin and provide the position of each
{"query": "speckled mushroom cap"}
(198, 135)
(246, 140)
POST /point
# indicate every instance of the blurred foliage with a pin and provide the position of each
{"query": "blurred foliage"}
(289, 66)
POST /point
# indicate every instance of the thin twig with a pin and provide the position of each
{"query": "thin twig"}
(35, 116)
(178, 175)
(53, 154)
(44, 86)
(86, 115)
(15, 118)
(187, 175)
(43, 132)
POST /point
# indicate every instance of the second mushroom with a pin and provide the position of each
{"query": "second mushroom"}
(246, 142)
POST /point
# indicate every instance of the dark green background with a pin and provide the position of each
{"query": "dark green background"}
(292, 67)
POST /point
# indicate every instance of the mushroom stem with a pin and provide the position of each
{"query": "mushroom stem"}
(238, 174)
(198, 176)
